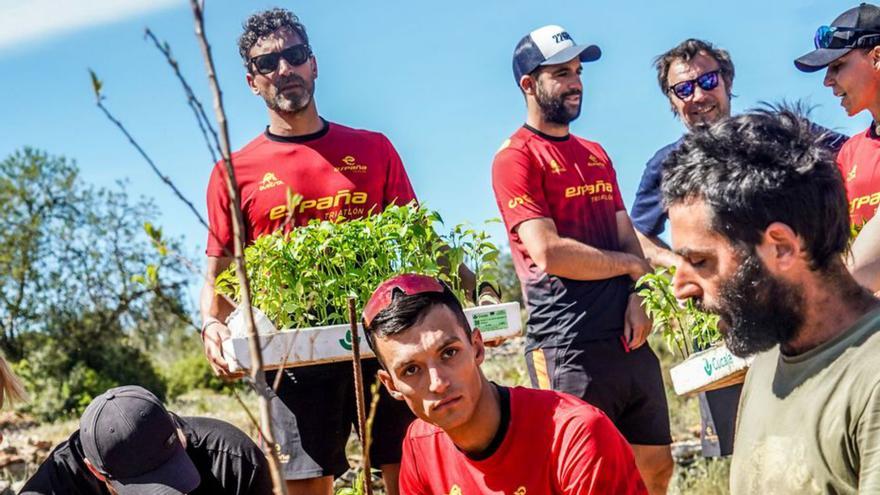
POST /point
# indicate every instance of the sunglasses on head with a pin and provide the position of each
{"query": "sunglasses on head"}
(408, 284)
(268, 63)
(845, 37)
(707, 82)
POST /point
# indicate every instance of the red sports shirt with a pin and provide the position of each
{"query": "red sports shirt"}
(859, 163)
(571, 181)
(554, 444)
(338, 171)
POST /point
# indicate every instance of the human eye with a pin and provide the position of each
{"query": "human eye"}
(410, 370)
(449, 352)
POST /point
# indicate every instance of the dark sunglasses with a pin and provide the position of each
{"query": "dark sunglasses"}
(844, 37)
(268, 63)
(707, 82)
(408, 284)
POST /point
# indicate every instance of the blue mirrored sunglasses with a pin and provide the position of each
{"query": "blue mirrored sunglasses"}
(844, 37)
(707, 82)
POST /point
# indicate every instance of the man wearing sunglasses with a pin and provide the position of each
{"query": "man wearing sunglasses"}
(339, 172)
(696, 77)
(473, 436)
(849, 50)
(577, 256)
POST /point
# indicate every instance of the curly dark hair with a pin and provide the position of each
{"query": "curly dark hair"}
(767, 165)
(265, 23)
(685, 51)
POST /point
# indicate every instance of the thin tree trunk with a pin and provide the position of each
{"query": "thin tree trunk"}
(257, 374)
(359, 395)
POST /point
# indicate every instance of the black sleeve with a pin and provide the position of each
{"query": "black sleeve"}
(62, 474)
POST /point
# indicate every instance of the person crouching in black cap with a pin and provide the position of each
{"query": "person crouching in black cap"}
(129, 444)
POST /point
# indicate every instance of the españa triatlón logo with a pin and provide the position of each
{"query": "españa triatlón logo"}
(592, 161)
(350, 164)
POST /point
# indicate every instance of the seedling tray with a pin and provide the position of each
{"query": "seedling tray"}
(328, 344)
(707, 370)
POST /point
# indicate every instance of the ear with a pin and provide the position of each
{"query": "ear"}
(94, 470)
(314, 63)
(875, 57)
(388, 382)
(527, 84)
(479, 347)
(780, 248)
(251, 84)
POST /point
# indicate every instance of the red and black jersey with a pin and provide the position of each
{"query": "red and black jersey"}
(338, 172)
(859, 163)
(552, 443)
(571, 181)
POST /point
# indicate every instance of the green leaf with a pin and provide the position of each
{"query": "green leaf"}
(97, 85)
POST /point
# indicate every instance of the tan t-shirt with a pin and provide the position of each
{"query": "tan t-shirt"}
(811, 423)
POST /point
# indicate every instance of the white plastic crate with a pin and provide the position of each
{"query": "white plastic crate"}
(301, 347)
(711, 369)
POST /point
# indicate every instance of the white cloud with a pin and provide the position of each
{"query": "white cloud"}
(25, 20)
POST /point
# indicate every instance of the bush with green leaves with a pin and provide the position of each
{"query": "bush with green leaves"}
(684, 327)
(62, 376)
(189, 373)
(305, 277)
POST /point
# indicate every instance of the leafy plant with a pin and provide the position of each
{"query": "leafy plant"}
(304, 278)
(684, 327)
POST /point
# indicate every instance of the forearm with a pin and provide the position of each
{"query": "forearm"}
(211, 304)
(656, 251)
(572, 259)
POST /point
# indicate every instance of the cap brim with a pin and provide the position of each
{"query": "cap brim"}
(587, 53)
(819, 58)
(176, 477)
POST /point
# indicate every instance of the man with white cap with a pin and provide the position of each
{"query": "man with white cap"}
(129, 444)
(577, 256)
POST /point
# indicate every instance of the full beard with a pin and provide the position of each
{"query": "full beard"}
(759, 310)
(291, 101)
(554, 109)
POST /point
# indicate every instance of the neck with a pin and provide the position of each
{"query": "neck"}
(288, 124)
(536, 119)
(833, 303)
(475, 436)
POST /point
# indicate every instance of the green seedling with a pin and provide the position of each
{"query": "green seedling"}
(303, 278)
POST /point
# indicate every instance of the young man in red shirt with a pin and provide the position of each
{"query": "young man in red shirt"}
(473, 436)
(577, 256)
(850, 50)
(339, 172)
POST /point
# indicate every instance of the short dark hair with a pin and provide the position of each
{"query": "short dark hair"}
(685, 51)
(406, 311)
(767, 165)
(263, 24)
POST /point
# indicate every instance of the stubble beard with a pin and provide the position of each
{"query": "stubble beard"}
(293, 101)
(760, 310)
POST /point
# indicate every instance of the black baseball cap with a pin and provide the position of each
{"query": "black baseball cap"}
(130, 438)
(858, 27)
(549, 45)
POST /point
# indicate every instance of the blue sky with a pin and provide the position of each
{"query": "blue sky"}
(434, 77)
